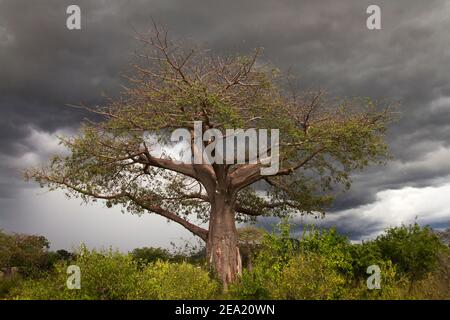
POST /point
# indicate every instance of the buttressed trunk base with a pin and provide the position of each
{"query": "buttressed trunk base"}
(222, 244)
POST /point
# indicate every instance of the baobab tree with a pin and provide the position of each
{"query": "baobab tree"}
(119, 156)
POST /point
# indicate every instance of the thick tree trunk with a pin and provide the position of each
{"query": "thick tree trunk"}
(222, 244)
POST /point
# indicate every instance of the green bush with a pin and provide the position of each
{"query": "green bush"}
(147, 254)
(105, 275)
(364, 255)
(47, 288)
(413, 249)
(26, 252)
(173, 281)
(325, 265)
(109, 275)
(285, 268)
(7, 284)
(331, 246)
(274, 254)
(310, 276)
(189, 253)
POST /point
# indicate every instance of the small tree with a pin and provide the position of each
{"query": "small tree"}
(114, 159)
(148, 255)
(26, 252)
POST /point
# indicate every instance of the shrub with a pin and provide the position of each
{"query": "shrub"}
(364, 255)
(276, 251)
(310, 276)
(109, 275)
(313, 268)
(148, 254)
(414, 250)
(252, 284)
(7, 283)
(105, 275)
(173, 281)
(325, 265)
(50, 287)
(331, 246)
(26, 252)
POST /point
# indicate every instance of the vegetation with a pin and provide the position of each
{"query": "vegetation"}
(321, 264)
(110, 275)
(325, 265)
(29, 252)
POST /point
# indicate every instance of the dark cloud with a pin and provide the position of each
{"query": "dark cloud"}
(44, 66)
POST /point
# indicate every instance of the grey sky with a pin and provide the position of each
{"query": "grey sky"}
(44, 66)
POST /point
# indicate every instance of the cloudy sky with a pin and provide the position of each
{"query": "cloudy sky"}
(44, 66)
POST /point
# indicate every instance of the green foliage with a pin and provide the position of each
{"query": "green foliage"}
(364, 255)
(321, 265)
(53, 257)
(325, 265)
(414, 250)
(64, 255)
(277, 249)
(26, 252)
(8, 283)
(283, 261)
(110, 275)
(105, 275)
(276, 252)
(172, 281)
(148, 255)
(310, 276)
(49, 287)
(333, 247)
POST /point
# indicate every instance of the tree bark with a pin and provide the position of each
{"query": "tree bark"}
(222, 244)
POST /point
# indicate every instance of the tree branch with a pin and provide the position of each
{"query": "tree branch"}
(196, 230)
